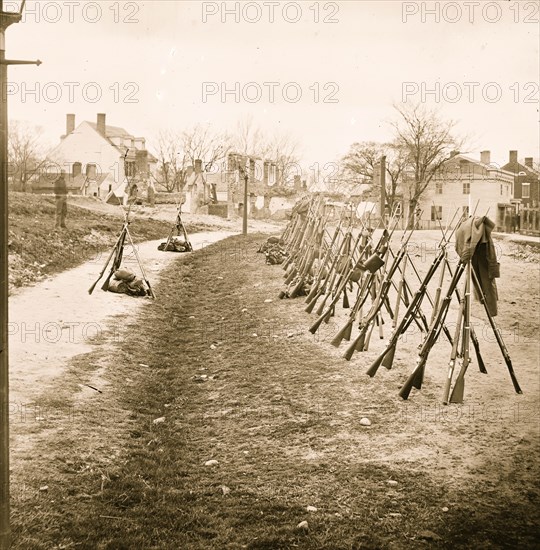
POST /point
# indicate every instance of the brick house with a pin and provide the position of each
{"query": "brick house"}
(463, 182)
(526, 180)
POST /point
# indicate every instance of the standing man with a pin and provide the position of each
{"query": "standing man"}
(151, 193)
(60, 191)
(133, 194)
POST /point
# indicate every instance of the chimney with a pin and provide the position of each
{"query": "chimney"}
(70, 123)
(76, 169)
(485, 157)
(198, 166)
(529, 162)
(101, 124)
(91, 171)
(513, 157)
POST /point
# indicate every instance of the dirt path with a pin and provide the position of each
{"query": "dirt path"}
(57, 319)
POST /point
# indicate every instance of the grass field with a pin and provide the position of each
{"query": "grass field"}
(214, 371)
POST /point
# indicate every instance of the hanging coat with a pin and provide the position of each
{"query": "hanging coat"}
(474, 242)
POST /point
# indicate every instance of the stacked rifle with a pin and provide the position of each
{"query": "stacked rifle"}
(377, 282)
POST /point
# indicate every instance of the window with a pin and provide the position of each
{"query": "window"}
(501, 188)
(438, 187)
(525, 190)
(466, 211)
(466, 187)
(436, 213)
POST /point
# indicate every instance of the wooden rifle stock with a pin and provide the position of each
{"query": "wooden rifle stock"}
(459, 386)
(117, 259)
(454, 353)
(497, 333)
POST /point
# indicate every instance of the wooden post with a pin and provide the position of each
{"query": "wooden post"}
(6, 19)
(383, 186)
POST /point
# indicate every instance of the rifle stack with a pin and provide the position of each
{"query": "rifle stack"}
(358, 266)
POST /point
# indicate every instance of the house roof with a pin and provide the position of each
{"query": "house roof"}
(476, 162)
(117, 131)
(516, 167)
(111, 131)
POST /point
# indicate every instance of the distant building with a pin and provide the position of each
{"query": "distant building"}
(101, 160)
(464, 183)
(526, 180)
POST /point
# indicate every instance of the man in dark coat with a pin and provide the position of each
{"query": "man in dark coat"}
(60, 191)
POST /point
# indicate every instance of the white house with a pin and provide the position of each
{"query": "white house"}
(105, 156)
(465, 182)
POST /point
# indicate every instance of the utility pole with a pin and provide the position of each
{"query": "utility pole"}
(244, 219)
(6, 19)
(383, 186)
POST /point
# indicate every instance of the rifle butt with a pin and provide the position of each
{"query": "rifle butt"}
(388, 359)
(411, 382)
(315, 326)
(372, 371)
(458, 391)
(349, 352)
(361, 340)
(296, 289)
(419, 377)
(311, 305)
(105, 285)
(448, 383)
(513, 376)
(336, 341)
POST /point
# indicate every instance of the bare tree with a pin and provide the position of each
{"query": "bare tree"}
(282, 149)
(426, 142)
(176, 151)
(200, 143)
(359, 164)
(172, 161)
(250, 140)
(26, 153)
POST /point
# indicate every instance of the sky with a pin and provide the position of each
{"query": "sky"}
(326, 73)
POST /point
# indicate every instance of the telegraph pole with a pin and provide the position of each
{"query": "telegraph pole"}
(6, 19)
(244, 213)
(383, 186)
